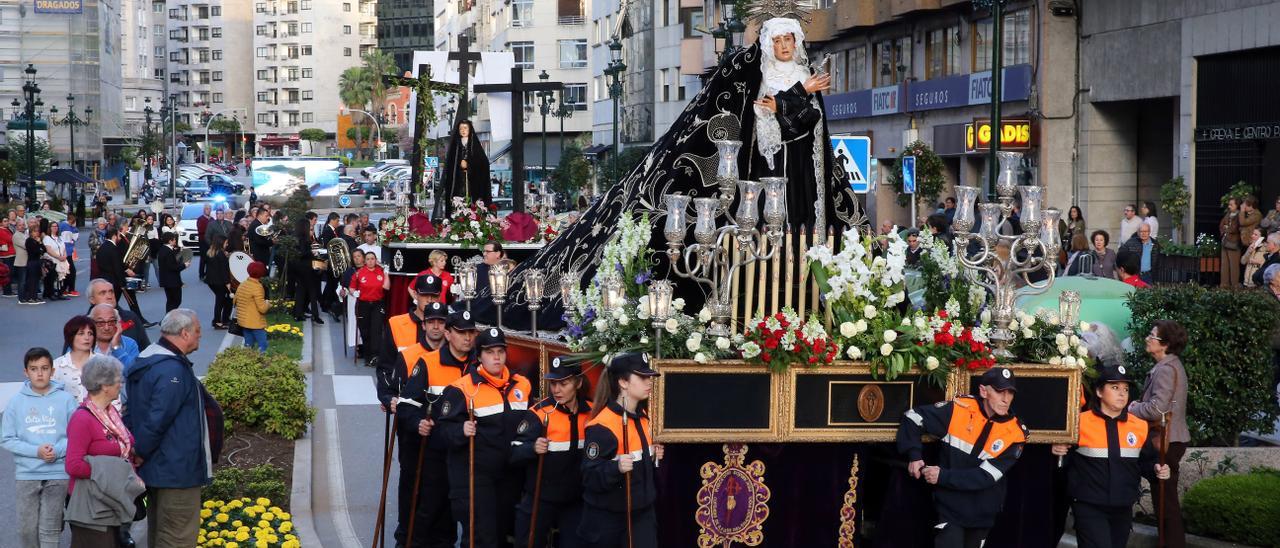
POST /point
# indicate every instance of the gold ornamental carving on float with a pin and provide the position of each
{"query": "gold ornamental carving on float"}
(733, 502)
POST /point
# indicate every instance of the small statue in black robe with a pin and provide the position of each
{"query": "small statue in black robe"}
(466, 173)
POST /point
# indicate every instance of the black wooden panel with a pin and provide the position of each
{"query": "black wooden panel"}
(716, 400)
(831, 401)
(1041, 402)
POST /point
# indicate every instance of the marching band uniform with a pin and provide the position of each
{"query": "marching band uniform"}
(978, 451)
(499, 402)
(1104, 472)
(560, 497)
(604, 517)
(420, 376)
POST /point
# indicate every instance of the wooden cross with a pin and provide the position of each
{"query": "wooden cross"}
(465, 57)
(516, 88)
(424, 110)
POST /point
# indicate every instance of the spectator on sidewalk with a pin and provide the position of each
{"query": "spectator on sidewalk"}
(1253, 258)
(1143, 245)
(1147, 210)
(35, 264)
(96, 430)
(1271, 222)
(78, 338)
(1078, 256)
(202, 238)
(1272, 247)
(1164, 406)
(1229, 230)
(20, 235)
(251, 307)
(1104, 259)
(1250, 218)
(7, 252)
(109, 338)
(1130, 223)
(70, 235)
(35, 431)
(167, 415)
(1127, 270)
(102, 291)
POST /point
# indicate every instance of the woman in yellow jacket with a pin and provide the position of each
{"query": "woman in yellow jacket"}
(251, 306)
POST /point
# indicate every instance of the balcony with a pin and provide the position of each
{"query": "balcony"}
(571, 20)
(903, 7)
(855, 14)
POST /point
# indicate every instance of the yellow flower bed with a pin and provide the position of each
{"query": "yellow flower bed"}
(284, 331)
(245, 523)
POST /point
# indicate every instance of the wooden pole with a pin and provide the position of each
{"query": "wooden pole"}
(537, 485)
(417, 481)
(789, 270)
(471, 478)
(626, 448)
(389, 443)
(803, 283)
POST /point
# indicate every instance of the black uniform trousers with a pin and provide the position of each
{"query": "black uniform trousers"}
(955, 536)
(434, 526)
(604, 529)
(495, 498)
(202, 252)
(329, 297)
(367, 318)
(306, 294)
(172, 298)
(221, 303)
(1102, 526)
(563, 516)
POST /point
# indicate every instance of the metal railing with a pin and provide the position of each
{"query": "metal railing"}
(571, 20)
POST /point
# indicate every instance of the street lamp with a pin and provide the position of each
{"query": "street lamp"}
(734, 28)
(614, 72)
(31, 95)
(71, 120)
(545, 100)
(147, 111)
(564, 111)
(997, 82)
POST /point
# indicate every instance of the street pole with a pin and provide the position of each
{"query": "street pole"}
(614, 73)
(31, 92)
(997, 84)
(146, 141)
(378, 127)
(544, 108)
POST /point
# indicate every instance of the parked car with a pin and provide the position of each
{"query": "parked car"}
(364, 188)
(390, 174)
(380, 164)
(344, 183)
(379, 173)
(188, 236)
(195, 189)
(224, 184)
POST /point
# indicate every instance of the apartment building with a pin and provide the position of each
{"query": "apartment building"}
(300, 48)
(543, 36)
(143, 39)
(209, 58)
(405, 26)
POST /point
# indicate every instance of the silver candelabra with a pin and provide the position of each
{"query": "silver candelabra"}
(710, 261)
(1004, 258)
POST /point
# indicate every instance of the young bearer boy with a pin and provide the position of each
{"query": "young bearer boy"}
(34, 429)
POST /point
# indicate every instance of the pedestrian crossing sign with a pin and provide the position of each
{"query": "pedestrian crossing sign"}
(854, 153)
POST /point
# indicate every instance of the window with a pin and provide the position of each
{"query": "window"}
(217, 55)
(306, 28)
(306, 50)
(308, 117)
(217, 97)
(293, 52)
(293, 118)
(858, 76)
(346, 6)
(522, 13)
(260, 30)
(264, 118)
(893, 61)
(293, 7)
(664, 85)
(217, 76)
(524, 54)
(159, 74)
(157, 32)
(306, 4)
(216, 11)
(202, 13)
(308, 95)
(260, 7)
(262, 96)
(131, 103)
(306, 73)
(293, 29)
(261, 53)
(159, 51)
(216, 32)
(293, 96)
(175, 57)
(1017, 41)
(157, 7)
(573, 53)
(293, 74)
(942, 52)
(691, 18)
(575, 95)
(346, 29)
(262, 74)
(204, 77)
(204, 56)
(346, 52)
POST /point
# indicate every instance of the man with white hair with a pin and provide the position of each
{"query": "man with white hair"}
(167, 415)
(103, 291)
(1272, 247)
(109, 338)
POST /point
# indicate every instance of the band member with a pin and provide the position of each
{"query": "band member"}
(983, 441)
(369, 284)
(259, 245)
(553, 431)
(479, 418)
(1104, 473)
(619, 449)
(414, 395)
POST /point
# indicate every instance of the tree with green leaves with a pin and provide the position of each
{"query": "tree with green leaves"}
(8, 174)
(355, 90)
(313, 135)
(573, 173)
(18, 152)
(378, 63)
(228, 128)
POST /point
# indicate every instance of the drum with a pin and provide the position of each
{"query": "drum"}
(133, 284)
(239, 262)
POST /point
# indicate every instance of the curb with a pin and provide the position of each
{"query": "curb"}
(305, 362)
(300, 494)
(1145, 536)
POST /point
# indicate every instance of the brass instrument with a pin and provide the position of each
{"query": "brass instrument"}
(318, 263)
(339, 256)
(139, 246)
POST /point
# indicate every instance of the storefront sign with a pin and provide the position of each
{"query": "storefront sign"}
(1015, 134)
(59, 6)
(885, 101)
(855, 104)
(1240, 132)
(968, 89)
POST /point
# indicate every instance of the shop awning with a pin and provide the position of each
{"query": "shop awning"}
(595, 150)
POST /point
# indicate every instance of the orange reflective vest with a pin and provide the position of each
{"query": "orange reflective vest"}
(404, 331)
(1106, 467)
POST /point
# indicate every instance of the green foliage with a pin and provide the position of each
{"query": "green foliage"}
(573, 173)
(223, 124)
(1238, 190)
(18, 153)
(1242, 508)
(627, 161)
(260, 391)
(313, 134)
(264, 480)
(8, 173)
(131, 157)
(1227, 358)
(930, 178)
(1175, 199)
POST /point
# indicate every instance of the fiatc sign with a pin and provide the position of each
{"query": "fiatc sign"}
(1015, 134)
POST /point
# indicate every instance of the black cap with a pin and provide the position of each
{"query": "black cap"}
(999, 378)
(490, 338)
(1113, 373)
(436, 311)
(631, 362)
(461, 321)
(428, 284)
(561, 369)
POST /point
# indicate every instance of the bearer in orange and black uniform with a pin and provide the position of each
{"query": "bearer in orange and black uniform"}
(421, 376)
(485, 408)
(618, 448)
(404, 330)
(554, 430)
(1104, 473)
(982, 441)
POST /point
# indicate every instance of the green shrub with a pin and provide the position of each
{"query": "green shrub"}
(1237, 508)
(264, 480)
(225, 485)
(260, 391)
(1227, 359)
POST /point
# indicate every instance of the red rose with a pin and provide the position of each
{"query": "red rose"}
(942, 314)
(765, 357)
(771, 343)
(975, 347)
(831, 356)
(813, 360)
(946, 327)
(959, 362)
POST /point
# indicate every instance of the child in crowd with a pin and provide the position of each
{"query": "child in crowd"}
(34, 429)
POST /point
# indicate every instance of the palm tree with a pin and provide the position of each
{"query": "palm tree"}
(355, 90)
(379, 63)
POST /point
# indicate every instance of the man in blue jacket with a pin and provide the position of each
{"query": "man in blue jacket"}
(166, 414)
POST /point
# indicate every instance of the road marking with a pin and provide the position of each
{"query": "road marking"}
(354, 390)
(337, 485)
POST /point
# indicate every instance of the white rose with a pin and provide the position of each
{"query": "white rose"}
(1083, 351)
(1063, 350)
(600, 324)
(847, 329)
(1013, 325)
(1029, 321)
(890, 335)
(1055, 361)
(677, 304)
(750, 350)
(860, 326)
(886, 349)
(644, 340)
(672, 325)
(854, 352)
(1053, 320)
(870, 311)
(622, 320)
(705, 315)
(906, 322)
(921, 323)
(931, 363)
(700, 357)
(1084, 326)
(693, 344)
(1028, 334)
(1060, 340)
(985, 316)
(642, 312)
(1069, 360)
(1075, 341)
(722, 343)
(696, 336)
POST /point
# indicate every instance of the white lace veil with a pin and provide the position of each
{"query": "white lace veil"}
(777, 76)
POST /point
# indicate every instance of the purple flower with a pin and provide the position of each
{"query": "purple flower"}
(589, 315)
(642, 278)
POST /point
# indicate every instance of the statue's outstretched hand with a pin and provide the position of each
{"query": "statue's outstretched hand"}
(768, 103)
(818, 82)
